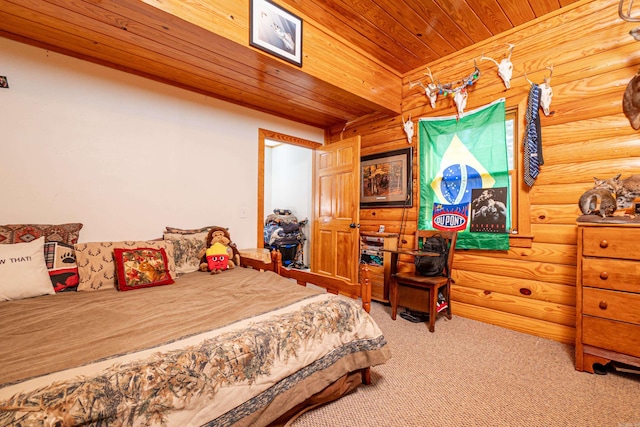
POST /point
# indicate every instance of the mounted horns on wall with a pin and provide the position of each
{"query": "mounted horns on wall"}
(459, 89)
(505, 67)
(430, 90)
(546, 93)
(408, 128)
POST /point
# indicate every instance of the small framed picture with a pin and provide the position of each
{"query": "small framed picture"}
(276, 31)
(386, 179)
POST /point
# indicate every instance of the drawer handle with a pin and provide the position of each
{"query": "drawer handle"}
(604, 244)
(604, 275)
(603, 305)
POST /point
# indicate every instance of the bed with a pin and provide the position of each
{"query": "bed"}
(248, 346)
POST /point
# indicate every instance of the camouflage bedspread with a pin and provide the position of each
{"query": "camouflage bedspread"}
(234, 348)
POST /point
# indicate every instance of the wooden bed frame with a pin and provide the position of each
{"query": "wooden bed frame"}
(333, 285)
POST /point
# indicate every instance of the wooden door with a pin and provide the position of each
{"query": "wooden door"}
(336, 210)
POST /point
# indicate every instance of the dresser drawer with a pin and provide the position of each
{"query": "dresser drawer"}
(618, 274)
(611, 335)
(613, 305)
(611, 242)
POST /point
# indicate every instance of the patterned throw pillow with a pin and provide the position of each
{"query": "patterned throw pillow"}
(61, 263)
(141, 268)
(22, 233)
(96, 266)
(186, 249)
(23, 272)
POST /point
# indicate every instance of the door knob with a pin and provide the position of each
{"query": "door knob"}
(354, 225)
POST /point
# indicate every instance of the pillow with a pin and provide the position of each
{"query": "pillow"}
(141, 268)
(97, 269)
(174, 230)
(22, 233)
(186, 248)
(23, 272)
(61, 263)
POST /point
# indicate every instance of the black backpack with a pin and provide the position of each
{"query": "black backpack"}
(432, 265)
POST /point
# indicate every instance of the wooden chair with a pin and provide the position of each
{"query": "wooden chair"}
(434, 284)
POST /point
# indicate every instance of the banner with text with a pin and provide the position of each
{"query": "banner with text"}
(464, 177)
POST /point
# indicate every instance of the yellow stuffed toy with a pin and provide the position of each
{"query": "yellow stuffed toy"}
(220, 253)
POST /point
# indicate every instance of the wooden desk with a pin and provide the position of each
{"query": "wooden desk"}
(372, 246)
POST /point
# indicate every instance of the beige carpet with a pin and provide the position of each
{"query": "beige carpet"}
(470, 373)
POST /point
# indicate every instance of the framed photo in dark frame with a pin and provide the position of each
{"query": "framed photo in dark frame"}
(386, 179)
(276, 31)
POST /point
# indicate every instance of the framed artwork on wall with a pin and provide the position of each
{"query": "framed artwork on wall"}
(276, 31)
(386, 179)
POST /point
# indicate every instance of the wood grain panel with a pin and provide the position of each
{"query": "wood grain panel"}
(536, 289)
(555, 233)
(531, 270)
(542, 252)
(555, 214)
(440, 23)
(562, 333)
(518, 12)
(600, 129)
(470, 23)
(540, 310)
(560, 194)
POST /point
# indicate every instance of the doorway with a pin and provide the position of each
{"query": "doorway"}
(285, 182)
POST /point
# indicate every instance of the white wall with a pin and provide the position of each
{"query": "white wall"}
(124, 155)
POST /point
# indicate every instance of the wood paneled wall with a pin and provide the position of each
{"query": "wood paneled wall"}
(532, 289)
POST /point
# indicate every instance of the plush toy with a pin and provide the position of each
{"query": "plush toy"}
(220, 253)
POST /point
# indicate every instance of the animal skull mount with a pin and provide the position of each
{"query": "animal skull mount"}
(546, 92)
(505, 67)
(408, 128)
(460, 98)
(430, 90)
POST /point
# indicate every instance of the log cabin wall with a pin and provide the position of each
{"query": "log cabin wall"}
(531, 287)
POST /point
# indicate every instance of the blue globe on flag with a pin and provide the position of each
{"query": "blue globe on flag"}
(458, 181)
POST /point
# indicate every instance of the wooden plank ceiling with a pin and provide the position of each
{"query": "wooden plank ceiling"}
(133, 36)
(407, 34)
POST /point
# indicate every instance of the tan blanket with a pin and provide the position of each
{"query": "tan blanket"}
(213, 343)
(55, 332)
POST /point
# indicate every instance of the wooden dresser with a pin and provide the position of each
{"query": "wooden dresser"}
(608, 294)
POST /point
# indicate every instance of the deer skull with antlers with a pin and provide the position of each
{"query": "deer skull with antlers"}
(408, 128)
(546, 92)
(505, 67)
(460, 98)
(430, 90)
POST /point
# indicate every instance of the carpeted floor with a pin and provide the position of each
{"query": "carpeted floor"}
(470, 373)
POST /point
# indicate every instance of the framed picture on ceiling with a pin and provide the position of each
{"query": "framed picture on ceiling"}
(275, 31)
(386, 179)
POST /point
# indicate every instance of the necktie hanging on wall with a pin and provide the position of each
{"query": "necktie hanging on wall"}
(532, 138)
